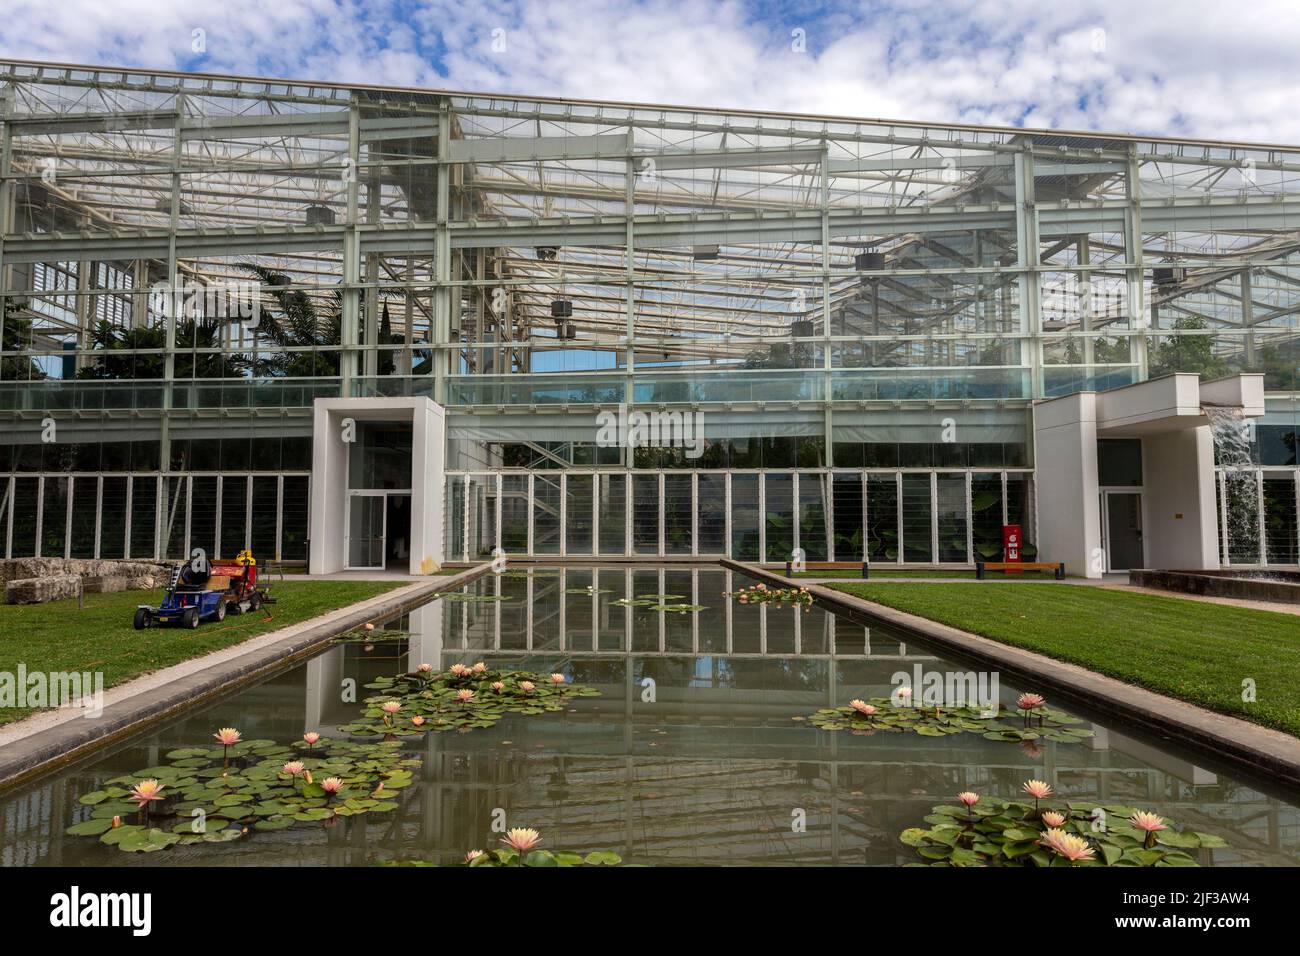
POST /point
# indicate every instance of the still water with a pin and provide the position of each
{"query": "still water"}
(690, 756)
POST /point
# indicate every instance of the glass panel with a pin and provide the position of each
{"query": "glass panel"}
(203, 514)
(645, 514)
(54, 518)
(1280, 519)
(293, 540)
(677, 514)
(613, 514)
(174, 518)
(577, 514)
(453, 518)
(26, 494)
(778, 502)
(1119, 461)
(882, 518)
(1243, 516)
(712, 514)
(483, 515)
(952, 518)
(365, 531)
(262, 533)
(847, 501)
(514, 514)
(986, 516)
(546, 514)
(234, 515)
(85, 512)
(112, 519)
(1020, 511)
(812, 516)
(380, 457)
(144, 515)
(744, 517)
(917, 545)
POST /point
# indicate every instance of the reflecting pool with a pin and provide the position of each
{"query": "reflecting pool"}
(689, 756)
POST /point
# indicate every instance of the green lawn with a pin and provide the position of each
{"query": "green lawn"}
(1193, 650)
(59, 637)
(884, 571)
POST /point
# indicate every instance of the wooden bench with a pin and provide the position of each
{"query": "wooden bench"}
(828, 566)
(982, 566)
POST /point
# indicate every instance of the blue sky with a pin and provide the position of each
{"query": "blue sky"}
(1192, 68)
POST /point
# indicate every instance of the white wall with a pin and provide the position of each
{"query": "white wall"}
(1065, 484)
(1178, 478)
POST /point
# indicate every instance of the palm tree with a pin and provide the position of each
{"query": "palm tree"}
(299, 325)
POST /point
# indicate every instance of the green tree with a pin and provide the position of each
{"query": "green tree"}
(16, 364)
(1188, 353)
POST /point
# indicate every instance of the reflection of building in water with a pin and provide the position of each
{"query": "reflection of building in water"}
(712, 770)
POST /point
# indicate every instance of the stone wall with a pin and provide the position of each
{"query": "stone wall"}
(35, 580)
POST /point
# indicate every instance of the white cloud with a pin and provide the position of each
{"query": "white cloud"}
(1197, 67)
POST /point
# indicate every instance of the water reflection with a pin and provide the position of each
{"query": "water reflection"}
(689, 756)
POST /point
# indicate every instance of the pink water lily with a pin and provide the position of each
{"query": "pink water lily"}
(526, 686)
(331, 785)
(1027, 704)
(464, 696)
(557, 678)
(417, 720)
(425, 668)
(227, 736)
(391, 706)
(146, 792)
(968, 798)
(1038, 789)
(479, 668)
(1073, 848)
(311, 737)
(473, 855)
(522, 839)
(497, 686)
(863, 708)
(1053, 819)
(293, 768)
(459, 670)
(1150, 823)
(368, 627)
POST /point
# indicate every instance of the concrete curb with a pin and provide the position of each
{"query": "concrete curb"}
(1237, 744)
(150, 699)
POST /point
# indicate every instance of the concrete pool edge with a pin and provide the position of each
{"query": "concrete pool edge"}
(151, 698)
(1237, 743)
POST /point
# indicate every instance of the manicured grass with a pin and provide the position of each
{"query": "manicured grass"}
(59, 637)
(884, 571)
(1193, 650)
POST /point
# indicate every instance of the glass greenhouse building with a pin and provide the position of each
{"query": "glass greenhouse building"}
(629, 330)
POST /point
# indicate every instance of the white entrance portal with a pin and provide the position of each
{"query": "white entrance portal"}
(393, 521)
(1166, 517)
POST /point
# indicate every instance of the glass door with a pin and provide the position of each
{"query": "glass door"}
(365, 538)
(1122, 530)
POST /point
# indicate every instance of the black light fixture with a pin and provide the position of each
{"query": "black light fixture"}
(1166, 276)
(561, 308)
(801, 328)
(318, 215)
(547, 253)
(704, 253)
(869, 260)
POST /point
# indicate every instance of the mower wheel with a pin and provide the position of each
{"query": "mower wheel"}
(190, 618)
(219, 614)
(143, 618)
(254, 601)
(235, 607)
